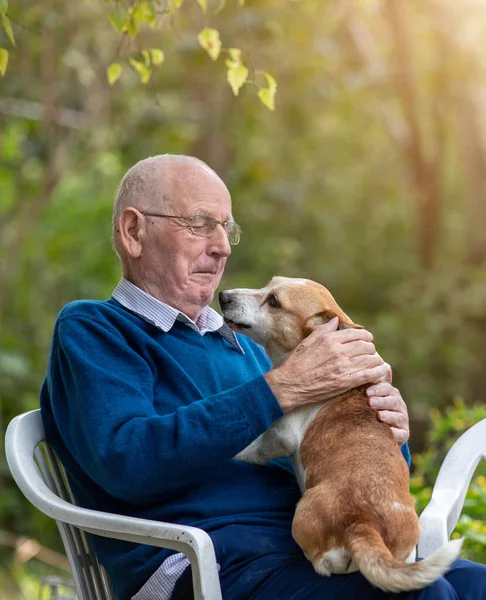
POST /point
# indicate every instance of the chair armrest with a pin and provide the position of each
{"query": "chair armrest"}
(191, 541)
(440, 516)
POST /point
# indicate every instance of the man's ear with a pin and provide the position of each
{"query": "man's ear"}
(324, 317)
(131, 228)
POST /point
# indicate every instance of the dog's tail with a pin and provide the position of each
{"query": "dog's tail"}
(378, 565)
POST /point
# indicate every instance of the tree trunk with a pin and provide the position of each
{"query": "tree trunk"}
(424, 172)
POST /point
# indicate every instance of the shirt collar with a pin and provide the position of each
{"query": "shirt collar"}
(164, 316)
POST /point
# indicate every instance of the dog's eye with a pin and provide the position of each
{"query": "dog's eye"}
(273, 301)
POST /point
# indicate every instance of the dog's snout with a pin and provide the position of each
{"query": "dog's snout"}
(225, 299)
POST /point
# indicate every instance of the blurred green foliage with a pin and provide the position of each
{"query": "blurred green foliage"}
(19, 582)
(446, 427)
(367, 177)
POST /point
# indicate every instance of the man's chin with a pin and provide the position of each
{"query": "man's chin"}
(205, 286)
(206, 294)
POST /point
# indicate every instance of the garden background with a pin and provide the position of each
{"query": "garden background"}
(368, 176)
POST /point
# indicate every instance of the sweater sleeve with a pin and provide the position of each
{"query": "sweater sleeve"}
(102, 401)
(406, 454)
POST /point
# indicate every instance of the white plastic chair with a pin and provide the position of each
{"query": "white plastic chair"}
(42, 480)
(440, 516)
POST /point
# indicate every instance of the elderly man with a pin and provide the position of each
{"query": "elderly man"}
(149, 396)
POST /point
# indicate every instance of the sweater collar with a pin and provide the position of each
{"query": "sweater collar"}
(164, 316)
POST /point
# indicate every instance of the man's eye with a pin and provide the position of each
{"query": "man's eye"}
(273, 301)
(201, 221)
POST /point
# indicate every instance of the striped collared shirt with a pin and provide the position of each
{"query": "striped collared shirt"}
(164, 316)
(161, 584)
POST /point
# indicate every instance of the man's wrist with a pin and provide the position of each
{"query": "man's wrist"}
(280, 390)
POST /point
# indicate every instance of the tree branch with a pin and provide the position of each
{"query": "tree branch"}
(26, 548)
(26, 109)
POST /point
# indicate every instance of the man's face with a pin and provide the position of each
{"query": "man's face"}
(185, 269)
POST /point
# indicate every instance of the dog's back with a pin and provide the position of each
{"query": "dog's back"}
(357, 512)
(352, 460)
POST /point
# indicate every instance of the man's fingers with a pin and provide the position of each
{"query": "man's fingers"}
(367, 361)
(392, 410)
(382, 389)
(359, 348)
(393, 418)
(394, 402)
(334, 336)
(401, 435)
(369, 375)
(352, 334)
(321, 330)
(331, 325)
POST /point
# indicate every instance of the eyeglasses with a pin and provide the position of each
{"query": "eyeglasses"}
(205, 225)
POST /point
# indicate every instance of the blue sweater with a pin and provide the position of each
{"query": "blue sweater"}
(146, 424)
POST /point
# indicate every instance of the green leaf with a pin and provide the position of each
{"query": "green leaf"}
(267, 95)
(144, 11)
(267, 98)
(3, 61)
(210, 41)
(3, 6)
(8, 28)
(241, 2)
(236, 76)
(272, 84)
(203, 4)
(113, 72)
(133, 27)
(237, 73)
(157, 56)
(146, 57)
(118, 19)
(141, 69)
(221, 5)
(235, 54)
(174, 5)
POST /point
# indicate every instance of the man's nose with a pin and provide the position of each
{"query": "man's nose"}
(219, 243)
(225, 299)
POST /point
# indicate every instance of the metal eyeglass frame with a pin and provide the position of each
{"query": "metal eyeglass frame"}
(237, 230)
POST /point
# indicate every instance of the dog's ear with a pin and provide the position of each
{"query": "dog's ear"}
(313, 322)
(324, 317)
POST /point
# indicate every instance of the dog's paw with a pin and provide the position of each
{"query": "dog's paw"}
(254, 458)
(242, 456)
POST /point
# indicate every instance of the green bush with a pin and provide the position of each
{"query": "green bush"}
(446, 427)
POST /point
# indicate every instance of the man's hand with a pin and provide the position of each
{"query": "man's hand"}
(392, 409)
(327, 363)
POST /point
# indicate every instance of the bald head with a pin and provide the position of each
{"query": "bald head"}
(154, 183)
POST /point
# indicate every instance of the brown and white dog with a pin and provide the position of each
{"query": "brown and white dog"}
(356, 512)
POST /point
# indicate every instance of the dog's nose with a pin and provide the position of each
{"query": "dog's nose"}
(225, 299)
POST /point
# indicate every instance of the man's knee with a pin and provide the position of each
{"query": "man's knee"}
(468, 579)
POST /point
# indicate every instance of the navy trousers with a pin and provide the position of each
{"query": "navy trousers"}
(273, 577)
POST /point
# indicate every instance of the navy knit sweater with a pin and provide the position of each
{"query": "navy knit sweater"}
(146, 424)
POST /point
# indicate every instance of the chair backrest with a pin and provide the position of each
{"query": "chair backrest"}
(37, 471)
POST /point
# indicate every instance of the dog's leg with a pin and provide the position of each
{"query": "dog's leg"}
(276, 442)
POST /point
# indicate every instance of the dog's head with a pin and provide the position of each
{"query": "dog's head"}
(280, 315)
